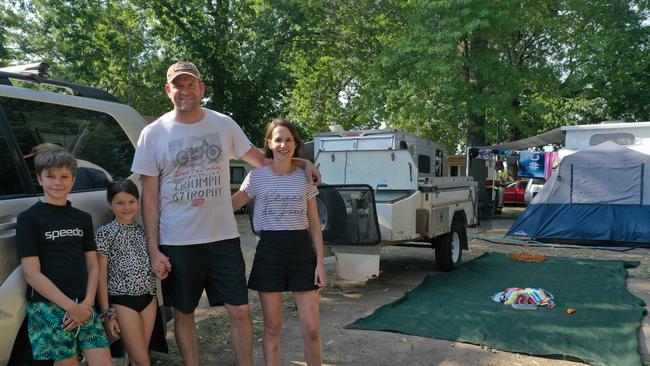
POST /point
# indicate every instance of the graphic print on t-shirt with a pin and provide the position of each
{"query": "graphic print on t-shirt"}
(197, 151)
(281, 206)
(197, 175)
(62, 233)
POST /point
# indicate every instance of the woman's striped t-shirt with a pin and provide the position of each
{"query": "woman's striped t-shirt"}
(280, 201)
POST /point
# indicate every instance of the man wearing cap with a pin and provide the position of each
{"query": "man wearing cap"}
(183, 159)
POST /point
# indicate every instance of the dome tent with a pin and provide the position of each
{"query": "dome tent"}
(598, 195)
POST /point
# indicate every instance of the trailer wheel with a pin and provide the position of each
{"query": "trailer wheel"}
(449, 247)
(332, 213)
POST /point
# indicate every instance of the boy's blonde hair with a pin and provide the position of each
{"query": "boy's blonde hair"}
(53, 159)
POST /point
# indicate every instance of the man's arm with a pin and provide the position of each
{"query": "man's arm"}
(313, 175)
(151, 218)
(256, 159)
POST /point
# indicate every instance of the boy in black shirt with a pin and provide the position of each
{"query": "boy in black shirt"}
(57, 251)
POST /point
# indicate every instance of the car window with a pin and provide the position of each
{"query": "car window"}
(102, 149)
(237, 174)
(10, 184)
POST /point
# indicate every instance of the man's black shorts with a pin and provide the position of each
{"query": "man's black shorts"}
(217, 267)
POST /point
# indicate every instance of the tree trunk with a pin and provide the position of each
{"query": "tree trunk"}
(219, 13)
(476, 129)
(218, 99)
(476, 113)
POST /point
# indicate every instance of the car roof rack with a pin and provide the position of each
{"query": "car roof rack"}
(37, 73)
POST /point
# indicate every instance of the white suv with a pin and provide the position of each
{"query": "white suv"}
(533, 187)
(92, 125)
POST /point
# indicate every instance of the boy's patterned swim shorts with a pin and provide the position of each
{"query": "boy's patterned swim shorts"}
(49, 340)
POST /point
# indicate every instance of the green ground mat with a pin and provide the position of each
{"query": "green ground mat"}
(457, 306)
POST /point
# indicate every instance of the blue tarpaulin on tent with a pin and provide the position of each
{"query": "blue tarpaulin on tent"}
(584, 222)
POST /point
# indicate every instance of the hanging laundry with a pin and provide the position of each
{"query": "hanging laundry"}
(551, 161)
(499, 165)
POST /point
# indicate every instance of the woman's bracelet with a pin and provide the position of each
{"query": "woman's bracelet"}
(108, 314)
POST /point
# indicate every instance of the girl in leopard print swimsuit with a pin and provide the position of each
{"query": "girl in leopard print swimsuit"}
(126, 280)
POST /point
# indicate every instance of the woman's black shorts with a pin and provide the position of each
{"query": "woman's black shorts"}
(284, 261)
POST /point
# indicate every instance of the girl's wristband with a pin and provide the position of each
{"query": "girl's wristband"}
(108, 314)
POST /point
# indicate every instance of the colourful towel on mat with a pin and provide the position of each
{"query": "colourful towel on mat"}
(528, 295)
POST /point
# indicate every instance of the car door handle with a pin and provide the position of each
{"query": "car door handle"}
(7, 222)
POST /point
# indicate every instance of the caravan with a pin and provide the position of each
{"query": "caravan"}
(634, 135)
(390, 188)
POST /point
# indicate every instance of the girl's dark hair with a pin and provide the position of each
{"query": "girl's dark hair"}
(119, 186)
(269, 131)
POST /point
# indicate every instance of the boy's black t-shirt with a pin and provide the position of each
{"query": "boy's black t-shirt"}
(59, 236)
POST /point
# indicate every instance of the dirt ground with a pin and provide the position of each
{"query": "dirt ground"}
(402, 269)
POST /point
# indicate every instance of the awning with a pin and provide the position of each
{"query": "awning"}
(555, 136)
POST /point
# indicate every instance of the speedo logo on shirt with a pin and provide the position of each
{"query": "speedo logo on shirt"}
(54, 234)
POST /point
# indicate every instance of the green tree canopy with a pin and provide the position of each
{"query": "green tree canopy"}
(461, 72)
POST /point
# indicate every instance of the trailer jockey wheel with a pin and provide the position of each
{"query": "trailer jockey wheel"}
(332, 212)
(449, 247)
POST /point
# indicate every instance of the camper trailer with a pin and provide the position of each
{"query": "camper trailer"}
(633, 135)
(386, 187)
(430, 157)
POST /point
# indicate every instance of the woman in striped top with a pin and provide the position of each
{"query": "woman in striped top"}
(289, 255)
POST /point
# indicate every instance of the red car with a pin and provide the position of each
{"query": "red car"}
(514, 193)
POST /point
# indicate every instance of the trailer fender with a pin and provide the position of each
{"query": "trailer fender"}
(449, 247)
(459, 216)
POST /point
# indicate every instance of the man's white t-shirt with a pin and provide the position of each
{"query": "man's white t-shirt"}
(192, 161)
